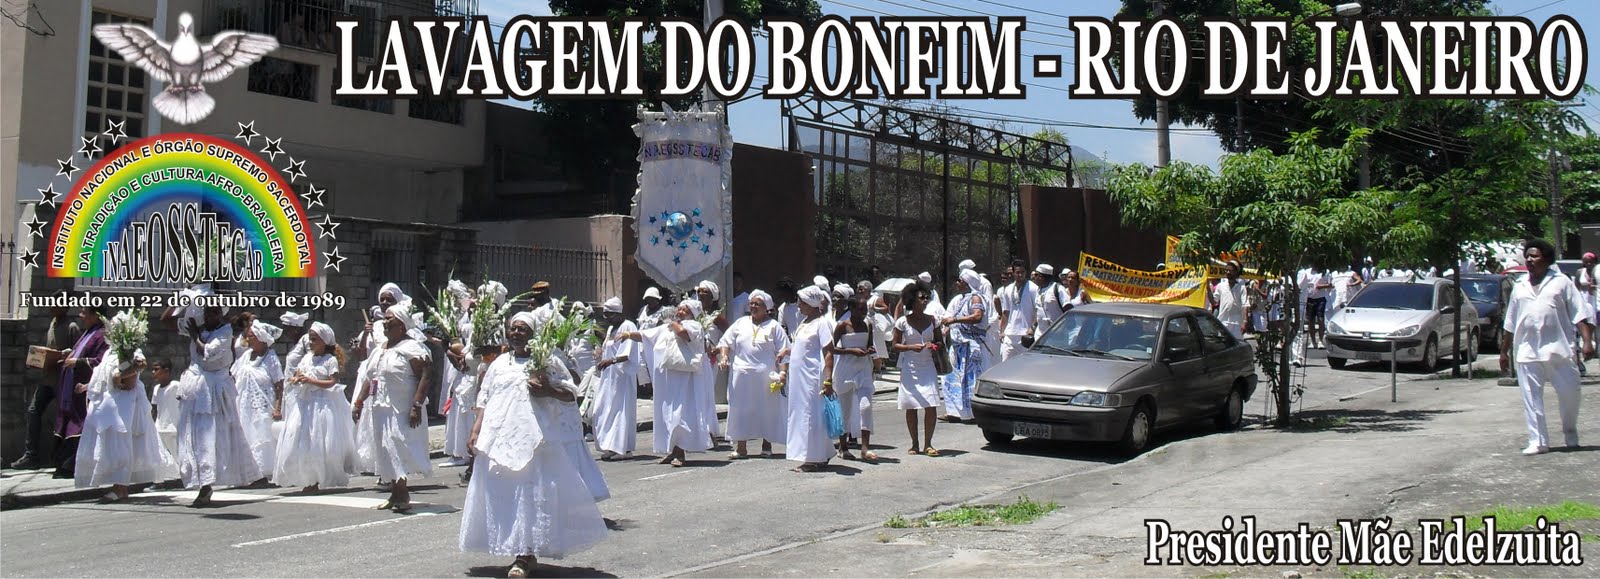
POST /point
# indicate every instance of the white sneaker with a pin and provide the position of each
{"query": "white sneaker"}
(1533, 449)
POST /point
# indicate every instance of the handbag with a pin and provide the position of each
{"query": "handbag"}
(683, 356)
(941, 355)
(833, 416)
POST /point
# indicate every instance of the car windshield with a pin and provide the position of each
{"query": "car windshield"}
(1102, 335)
(1395, 296)
(1482, 290)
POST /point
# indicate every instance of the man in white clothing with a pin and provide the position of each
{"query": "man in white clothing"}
(1544, 309)
(1052, 300)
(1017, 312)
(1228, 300)
(739, 306)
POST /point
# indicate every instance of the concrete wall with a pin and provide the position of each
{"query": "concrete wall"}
(1060, 223)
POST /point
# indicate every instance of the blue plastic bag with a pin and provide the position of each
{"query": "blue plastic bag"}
(833, 415)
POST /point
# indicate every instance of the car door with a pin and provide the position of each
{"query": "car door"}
(1184, 359)
(1225, 358)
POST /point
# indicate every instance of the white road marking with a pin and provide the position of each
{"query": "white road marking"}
(331, 531)
(215, 496)
(333, 501)
(662, 476)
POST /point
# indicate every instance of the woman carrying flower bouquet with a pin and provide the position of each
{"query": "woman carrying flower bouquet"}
(526, 499)
(750, 352)
(317, 447)
(119, 445)
(919, 381)
(398, 446)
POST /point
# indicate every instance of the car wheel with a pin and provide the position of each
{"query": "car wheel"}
(1470, 353)
(1136, 437)
(997, 438)
(1232, 413)
(1430, 354)
(1336, 363)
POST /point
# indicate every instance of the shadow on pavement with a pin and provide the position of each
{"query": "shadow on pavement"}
(1366, 420)
(542, 569)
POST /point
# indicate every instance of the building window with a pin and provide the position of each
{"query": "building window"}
(377, 105)
(118, 91)
(275, 76)
(441, 110)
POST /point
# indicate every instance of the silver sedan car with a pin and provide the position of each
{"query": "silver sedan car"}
(1118, 372)
(1414, 319)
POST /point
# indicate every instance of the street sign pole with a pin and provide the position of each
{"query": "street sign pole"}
(1394, 372)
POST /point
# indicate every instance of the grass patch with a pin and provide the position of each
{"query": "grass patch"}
(1320, 423)
(1217, 575)
(1361, 573)
(1023, 511)
(1518, 518)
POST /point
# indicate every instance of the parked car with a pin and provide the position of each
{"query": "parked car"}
(1489, 293)
(1118, 372)
(1415, 318)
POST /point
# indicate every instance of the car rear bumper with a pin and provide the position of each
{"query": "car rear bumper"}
(1350, 348)
(1051, 421)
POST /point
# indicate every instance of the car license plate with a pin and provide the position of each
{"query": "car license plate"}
(1030, 430)
(1370, 355)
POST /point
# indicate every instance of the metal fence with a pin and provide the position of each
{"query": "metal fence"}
(309, 24)
(578, 274)
(14, 276)
(396, 258)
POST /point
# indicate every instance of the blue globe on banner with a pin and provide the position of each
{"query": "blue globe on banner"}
(679, 226)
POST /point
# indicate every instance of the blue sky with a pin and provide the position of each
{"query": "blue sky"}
(758, 121)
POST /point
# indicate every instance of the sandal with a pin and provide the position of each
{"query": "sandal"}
(847, 456)
(932, 451)
(807, 467)
(869, 456)
(677, 462)
(202, 500)
(111, 497)
(667, 460)
(401, 507)
(737, 456)
(519, 568)
(914, 451)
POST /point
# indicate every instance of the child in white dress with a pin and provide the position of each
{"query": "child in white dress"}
(317, 447)
(258, 377)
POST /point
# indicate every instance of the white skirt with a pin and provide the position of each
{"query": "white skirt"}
(260, 430)
(458, 425)
(212, 449)
(754, 410)
(571, 424)
(919, 386)
(616, 411)
(119, 444)
(317, 445)
(542, 510)
(392, 449)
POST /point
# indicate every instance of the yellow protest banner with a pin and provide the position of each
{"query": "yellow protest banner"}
(1108, 282)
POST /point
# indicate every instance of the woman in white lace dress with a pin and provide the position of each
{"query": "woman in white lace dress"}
(526, 498)
(212, 449)
(119, 445)
(398, 446)
(317, 447)
(258, 376)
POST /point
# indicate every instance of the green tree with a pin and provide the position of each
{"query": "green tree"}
(1284, 209)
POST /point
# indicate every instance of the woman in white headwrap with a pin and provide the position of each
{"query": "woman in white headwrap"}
(294, 323)
(119, 445)
(212, 448)
(968, 328)
(398, 446)
(806, 373)
(258, 376)
(750, 352)
(317, 447)
(616, 397)
(852, 346)
(527, 498)
(679, 424)
(711, 378)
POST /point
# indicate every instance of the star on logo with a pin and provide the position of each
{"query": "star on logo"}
(36, 227)
(313, 195)
(334, 259)
(699, 225)
(48, 195)
(90, 147)
(652, 219)
(694, 239)
(328, 226)
(66, 168)
(711, 233)
(655, 240)
(677, 261)
(114, 131)
(683, 245)
(272, 150)
(247, 131)
(295, 170)
(706, 249)
(665, 215)
(29, 258)
(697, 212)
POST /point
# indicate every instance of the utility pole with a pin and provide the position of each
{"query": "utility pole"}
(1163, 116)
(1555, 203)
(1238, 103)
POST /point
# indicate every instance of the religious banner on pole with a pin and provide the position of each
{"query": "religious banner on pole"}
(1108, 282)
(683, 210)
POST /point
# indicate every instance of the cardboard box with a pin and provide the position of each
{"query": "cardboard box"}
(47, 359)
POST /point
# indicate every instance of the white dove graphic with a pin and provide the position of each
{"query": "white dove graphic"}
(186, 63)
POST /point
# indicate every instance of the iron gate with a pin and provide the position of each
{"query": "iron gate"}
(913, 190)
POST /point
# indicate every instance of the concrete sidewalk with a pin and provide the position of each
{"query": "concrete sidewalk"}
(1448, 447)
(30, 488)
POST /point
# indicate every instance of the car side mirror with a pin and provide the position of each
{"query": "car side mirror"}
(1176, 354)
(1447, 310)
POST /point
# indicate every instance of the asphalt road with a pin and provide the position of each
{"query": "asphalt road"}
(665, 520)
